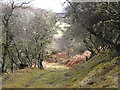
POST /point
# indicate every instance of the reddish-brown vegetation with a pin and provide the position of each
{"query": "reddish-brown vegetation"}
(77, 59)
(64, 58)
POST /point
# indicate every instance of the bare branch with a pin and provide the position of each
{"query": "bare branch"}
(21, 4)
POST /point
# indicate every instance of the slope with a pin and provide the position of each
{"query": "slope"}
(100, 71)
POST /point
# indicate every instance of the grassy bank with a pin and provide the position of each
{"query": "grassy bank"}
(100, 71)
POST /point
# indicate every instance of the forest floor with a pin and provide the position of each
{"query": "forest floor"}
(100, 71)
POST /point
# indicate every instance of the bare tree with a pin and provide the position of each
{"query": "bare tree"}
(7, 14)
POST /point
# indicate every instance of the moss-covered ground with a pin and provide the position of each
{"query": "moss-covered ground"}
(100, 71)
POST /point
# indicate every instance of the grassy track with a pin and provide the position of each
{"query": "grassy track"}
(100, 71)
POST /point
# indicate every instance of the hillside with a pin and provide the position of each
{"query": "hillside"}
(98, 72)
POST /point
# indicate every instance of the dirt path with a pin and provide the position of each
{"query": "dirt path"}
(32, 81)
(52, 68)
(53, 75)
(56, 66)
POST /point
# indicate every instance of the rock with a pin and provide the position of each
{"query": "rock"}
(67, 74)
(90, 83)
(50, 82)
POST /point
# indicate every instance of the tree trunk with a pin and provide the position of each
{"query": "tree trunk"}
(5, 50)
(41, 66)
(118, 49)
(18, 54)
(4, 58)
(11, 67)
(11, 58)
(35, 64)
(3, 64)
(38, 62)
(40, 59)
